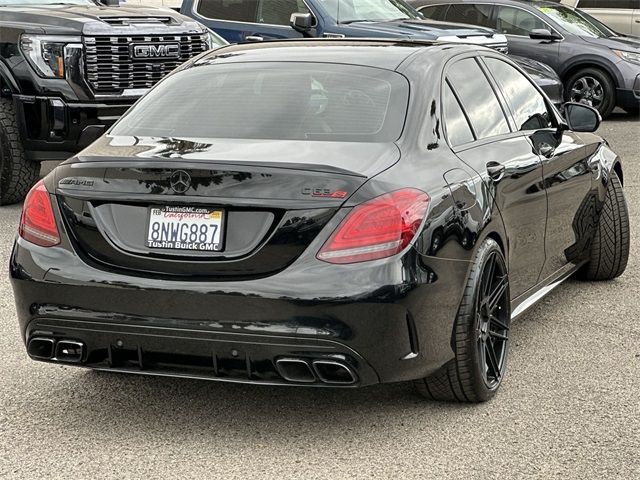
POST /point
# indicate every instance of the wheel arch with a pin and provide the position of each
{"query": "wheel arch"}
(617, 168)
(580, 64)
(7, 81)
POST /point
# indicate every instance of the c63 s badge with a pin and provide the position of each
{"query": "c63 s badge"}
(323, 192)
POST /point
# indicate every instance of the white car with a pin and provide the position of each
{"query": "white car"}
(623, 16)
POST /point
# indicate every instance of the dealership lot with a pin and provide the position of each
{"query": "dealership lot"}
(570, 407)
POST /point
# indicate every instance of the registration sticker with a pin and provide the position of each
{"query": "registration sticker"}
(185, 228)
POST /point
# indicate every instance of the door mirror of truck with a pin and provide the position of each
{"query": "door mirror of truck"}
(302, 22)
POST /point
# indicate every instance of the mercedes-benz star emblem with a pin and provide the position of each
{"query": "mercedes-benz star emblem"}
(180, 181)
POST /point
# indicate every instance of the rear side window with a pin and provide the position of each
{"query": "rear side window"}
(471, 14)
(515, 21)
(232, 10)
(458, 129)
(273, 100)
(434, 12)
(478, 98)
(528, 106)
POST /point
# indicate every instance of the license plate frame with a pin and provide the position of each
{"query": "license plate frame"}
(182, 239)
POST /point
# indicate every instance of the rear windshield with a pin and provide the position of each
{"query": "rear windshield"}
(278, 101)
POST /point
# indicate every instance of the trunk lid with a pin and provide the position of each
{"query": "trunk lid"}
(275, 197)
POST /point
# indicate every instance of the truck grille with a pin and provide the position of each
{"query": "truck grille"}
(110, 67)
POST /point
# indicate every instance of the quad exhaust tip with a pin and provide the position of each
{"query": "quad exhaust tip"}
(41, 347)
(300, 370)
(295, 370)
(331, 371)
(44, 348)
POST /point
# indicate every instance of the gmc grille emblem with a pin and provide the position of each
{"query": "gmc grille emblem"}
(155, 50)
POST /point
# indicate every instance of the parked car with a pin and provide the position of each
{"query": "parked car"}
(70, 68)
(323, 212)
(597, 66)
(622, 16)
(249, 20)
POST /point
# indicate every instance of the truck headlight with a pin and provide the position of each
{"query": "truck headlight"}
(632, 57)
(46, 53)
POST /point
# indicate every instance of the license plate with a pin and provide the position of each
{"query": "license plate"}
(185, 228)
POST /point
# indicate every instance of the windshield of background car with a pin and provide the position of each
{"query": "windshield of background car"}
(349, 11)
(35, 3)
(575, 22)
(273, 100)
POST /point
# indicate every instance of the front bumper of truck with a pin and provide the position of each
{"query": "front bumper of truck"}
(54, 129)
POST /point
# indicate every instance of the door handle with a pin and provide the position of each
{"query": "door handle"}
(253, 38)
(496, 171)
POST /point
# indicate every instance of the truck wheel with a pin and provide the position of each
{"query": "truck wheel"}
(592, 87)
(610, 248)
(17, 174)
(481, 336)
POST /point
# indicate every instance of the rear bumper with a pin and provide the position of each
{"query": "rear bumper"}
(384, 322)
(54, 129)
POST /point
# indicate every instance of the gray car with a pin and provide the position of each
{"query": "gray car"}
(598, 66)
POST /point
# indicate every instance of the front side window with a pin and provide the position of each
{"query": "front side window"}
(278, 12)
(434, 12)
(471, 14)
(515, 21)
(528, 106)
(458, 129)
(478, 98)
(351, 11)
(273, 101)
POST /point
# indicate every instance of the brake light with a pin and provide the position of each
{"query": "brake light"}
(37, 223)
(378, 228)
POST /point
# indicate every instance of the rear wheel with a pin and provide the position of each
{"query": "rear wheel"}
(592, 87)
(481, 337)
(17, 174)
(610, 248)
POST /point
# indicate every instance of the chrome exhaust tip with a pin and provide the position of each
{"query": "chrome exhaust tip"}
(69, 351)
(332, 371)
(295, 370)
(41, 348)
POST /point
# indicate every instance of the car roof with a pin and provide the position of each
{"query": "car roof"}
(380, 53)
(501, 2)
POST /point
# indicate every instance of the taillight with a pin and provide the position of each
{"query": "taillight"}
(378, 228)
(38, 224)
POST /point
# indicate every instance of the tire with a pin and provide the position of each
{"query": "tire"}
(17, 174)
(468, 377)
(610, 247)
(592, 77)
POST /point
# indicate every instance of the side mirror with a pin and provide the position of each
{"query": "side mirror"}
(581, 117)
(543, 34)
(110, 3)
(302, 22)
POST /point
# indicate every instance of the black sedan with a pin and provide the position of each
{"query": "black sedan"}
(323, 213)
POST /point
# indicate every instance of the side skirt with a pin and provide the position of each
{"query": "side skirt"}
(534, 294)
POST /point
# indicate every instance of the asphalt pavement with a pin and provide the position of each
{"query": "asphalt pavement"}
(569, 408)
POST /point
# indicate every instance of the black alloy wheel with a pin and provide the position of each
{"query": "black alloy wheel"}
(481, 335)
(493, 321)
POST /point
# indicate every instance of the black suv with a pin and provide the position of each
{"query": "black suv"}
(70, 68)
(598, 66)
